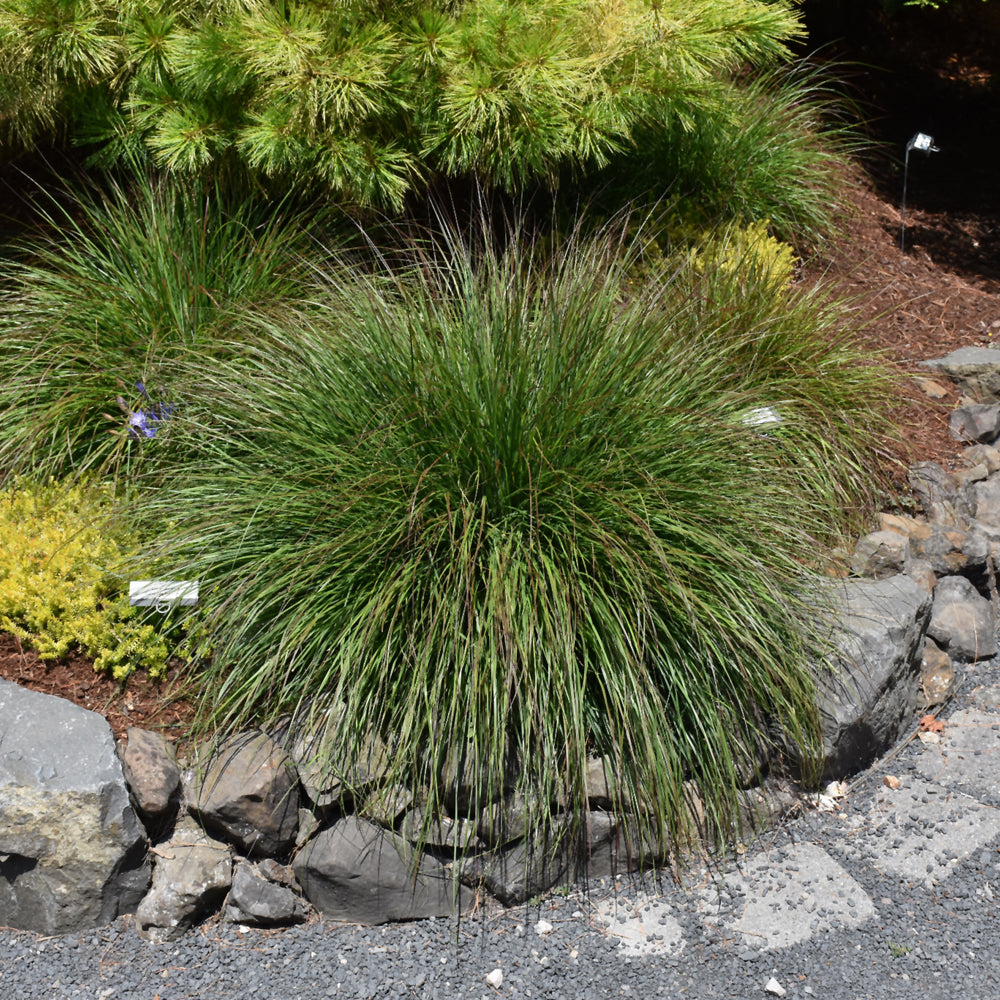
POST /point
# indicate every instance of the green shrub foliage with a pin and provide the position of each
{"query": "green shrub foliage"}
(365, 98)
(506, 512)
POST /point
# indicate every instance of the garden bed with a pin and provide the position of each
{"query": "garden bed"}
(143, 702)
(916, 309)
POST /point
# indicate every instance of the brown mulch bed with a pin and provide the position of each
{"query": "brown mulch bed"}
(142, 702)
(912, 307)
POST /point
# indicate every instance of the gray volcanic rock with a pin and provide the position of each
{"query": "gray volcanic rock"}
(976, 369)
(193, 873)
(248, 794)
(938, 494)
(962, 622)
(72, 852)
(325, 773)
(984, 454)
(440, 832)
(560, 855)
(977, 422)
(880, 554)
(986, 501)
(359, 872)
(949, 550)
(937, 676)
(258, 901)
(869, 687)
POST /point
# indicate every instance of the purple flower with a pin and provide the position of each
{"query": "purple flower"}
(143, 422)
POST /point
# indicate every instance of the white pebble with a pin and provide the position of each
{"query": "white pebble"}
(542, 928)
(773, 986)
(495, 979)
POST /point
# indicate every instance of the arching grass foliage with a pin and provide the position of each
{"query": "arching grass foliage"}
(514, 509)
(773, 145)
(100, 299)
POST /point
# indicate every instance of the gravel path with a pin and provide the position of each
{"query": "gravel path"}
(893, 894)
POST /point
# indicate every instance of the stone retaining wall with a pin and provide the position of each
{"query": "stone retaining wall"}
(88, 832)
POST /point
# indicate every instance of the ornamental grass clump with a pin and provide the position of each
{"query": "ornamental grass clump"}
(102, 298)
(508, 511)
(775, 145)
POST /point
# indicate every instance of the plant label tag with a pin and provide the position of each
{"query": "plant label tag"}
(762, 416)
(163, 594)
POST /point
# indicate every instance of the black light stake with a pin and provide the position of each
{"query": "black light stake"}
(925, 144)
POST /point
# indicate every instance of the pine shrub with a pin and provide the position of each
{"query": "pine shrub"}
(370, 100)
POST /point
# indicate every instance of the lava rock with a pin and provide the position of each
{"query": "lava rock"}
(153, 776)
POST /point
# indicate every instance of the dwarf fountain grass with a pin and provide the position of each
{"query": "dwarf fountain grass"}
(503, 508)
(773, 146)
(104, 296)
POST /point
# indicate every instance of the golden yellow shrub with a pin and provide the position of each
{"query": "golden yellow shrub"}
(751, 253)
(60, 588)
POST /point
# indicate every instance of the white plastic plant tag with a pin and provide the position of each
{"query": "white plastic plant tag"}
(163, 594)
(762, 416)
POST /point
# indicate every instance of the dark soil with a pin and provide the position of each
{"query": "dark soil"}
(936, 72)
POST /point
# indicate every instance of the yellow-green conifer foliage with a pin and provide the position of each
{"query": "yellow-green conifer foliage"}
(369, 99)
(58, 584)
(749, 253)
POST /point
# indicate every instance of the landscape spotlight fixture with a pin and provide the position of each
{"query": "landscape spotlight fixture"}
(925, 143)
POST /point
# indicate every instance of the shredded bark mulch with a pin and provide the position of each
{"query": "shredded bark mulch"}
(142, 702)
(912, 307)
